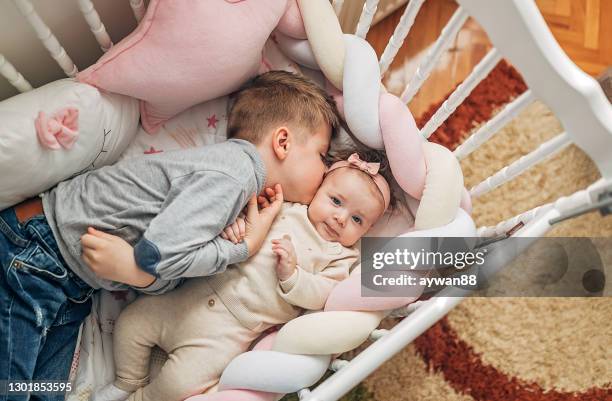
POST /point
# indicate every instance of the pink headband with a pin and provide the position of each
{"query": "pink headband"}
(370, 169)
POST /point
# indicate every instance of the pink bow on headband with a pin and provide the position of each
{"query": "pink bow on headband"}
(370, 168)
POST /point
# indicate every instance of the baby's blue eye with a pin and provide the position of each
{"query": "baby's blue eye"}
(336, 201)
(357, 219)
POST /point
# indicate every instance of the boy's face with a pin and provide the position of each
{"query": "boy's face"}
(306, 166)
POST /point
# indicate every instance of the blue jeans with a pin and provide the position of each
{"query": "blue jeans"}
(42, 305)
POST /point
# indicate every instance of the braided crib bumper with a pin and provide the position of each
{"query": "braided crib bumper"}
(298, 355)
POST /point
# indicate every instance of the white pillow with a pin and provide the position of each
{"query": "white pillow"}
(107, 123)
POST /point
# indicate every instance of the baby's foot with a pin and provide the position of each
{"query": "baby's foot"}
(110, 393)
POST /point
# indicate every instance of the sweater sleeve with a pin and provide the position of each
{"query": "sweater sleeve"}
(159, 286)
(310, 290)
(183, 239)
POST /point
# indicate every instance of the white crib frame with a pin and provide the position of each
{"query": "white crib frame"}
(518, 33)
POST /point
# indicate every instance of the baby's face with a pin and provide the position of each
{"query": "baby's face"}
(345, 206)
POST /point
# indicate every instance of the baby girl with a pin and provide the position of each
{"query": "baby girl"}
(208, 321)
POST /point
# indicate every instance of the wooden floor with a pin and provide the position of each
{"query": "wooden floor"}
(584, 30)
(582, 27)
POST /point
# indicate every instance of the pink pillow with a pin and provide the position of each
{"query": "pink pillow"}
(185, 52)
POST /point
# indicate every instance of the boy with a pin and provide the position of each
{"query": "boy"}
(165, 213)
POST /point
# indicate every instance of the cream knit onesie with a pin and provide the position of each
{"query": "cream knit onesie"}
(208, 321)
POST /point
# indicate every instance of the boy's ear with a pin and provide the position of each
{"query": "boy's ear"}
(281, 142)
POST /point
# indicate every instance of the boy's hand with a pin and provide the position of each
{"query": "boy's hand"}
(236, 231)
(112, 258)
(287, 259)
(258, 222)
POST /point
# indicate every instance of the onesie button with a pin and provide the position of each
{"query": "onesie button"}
(211, 302)
(334, 248)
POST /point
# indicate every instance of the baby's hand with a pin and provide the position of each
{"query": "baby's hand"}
(236, 231)
(287, 259)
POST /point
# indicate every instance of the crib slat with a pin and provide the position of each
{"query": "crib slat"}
(408, 309)
(564, 203)
(492, 127)
(369, 9)
(446, 36)
(9, 72)
(506, 225)
(337, 4)
(138, 8)
(479, 73)
(338, 364)
(546, 149)
(399, 35)
(303, 393)
(46, 36)
(378, 334)
(95, 24)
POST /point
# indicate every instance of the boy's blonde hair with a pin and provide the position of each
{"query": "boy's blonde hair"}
(276, 98)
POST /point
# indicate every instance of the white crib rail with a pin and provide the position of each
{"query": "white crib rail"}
(9, 72)
(578, 199)
(407, 309)
(446, 36)
(507, 225)
(523, 37)
(492, 127)
(95, 24)
(543, 151)
(363, 26)
(338, 364)
(46, 36)
(479, 73)
(399, 35)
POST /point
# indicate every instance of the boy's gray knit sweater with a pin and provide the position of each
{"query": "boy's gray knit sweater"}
(170, 206)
